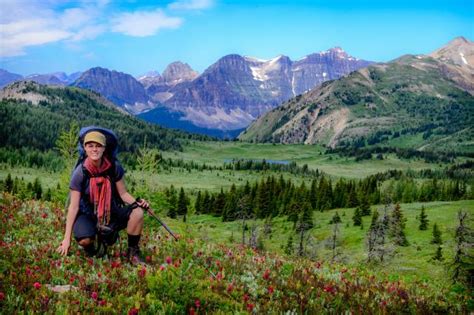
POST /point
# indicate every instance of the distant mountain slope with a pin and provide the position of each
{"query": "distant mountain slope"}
(411, 99)
(32, 115)
(120, 88)
(235, 90)
(8, 77)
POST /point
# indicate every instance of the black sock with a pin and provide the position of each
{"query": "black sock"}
(133, 240)
(90, 249)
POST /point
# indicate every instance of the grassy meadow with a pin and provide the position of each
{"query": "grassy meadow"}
(209, 271)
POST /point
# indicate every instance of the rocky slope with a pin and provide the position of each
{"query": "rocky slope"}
(416, 96)
(120, 88)
(235, 90)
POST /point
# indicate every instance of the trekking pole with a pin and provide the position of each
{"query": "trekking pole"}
(150, 212)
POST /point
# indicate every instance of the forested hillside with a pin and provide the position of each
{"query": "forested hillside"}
(33, 115)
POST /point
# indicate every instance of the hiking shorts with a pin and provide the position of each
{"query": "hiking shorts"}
(85, 225)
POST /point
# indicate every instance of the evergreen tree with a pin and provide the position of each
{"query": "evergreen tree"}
(289, 246)
(357, 217)
(423, 219)
(438, 254)
(230, 209)
(182, 206)
(219, 204)
(335, 219)
(364, 206)
(398, 226)
(172, 202)
(37, 189)
(375, 217)
(198, 203)
(436, 235)
(9, 183)
(307, 215)
(206, 203)
(463, 262)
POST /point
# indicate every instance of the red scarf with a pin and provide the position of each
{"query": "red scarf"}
(100, 188)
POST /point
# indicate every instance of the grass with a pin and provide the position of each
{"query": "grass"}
(215, 153)
(410, 263)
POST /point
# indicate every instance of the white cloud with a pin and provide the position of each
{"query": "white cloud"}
(28, 23)
(143, 23)
(33, 23)
(191, 4)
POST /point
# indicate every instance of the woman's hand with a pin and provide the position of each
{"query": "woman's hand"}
(64, 247)
(143, 203)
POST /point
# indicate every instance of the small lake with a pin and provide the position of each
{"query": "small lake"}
(282, 162)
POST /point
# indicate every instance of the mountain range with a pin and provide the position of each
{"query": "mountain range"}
(221, 101)
(420, 101)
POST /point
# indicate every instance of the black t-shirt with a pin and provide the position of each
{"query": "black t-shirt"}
(80, 182)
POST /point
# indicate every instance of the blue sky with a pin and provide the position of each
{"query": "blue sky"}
(138, 36)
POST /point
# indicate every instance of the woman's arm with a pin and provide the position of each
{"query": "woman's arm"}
(71, 217)
(126, 197)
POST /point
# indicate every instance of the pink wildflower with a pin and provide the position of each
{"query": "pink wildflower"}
(94, 295)
(169, 260)
(37, 285)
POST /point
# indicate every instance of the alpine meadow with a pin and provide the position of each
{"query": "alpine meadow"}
(327, 184)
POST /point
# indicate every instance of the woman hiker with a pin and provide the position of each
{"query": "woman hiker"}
(97, 200)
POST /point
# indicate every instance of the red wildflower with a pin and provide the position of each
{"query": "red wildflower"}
(133, 311)
(270, 290)
(329, 289)
(142, 272)
(102, 302)
(197, 303)
(250, 307)
(37, 285)
(99, 274)
(2, 296)
(246, 297)
(191, 311)
(94, 295)
(169, 260)
(162, 267)
(148, 259)
(230, 288)
(44, 215)
(115, 264)
(266, 274)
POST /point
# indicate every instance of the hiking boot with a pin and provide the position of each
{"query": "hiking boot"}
(101, 250)
(133, 255)
(90, 250)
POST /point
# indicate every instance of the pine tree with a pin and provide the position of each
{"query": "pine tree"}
(335, 219)
(37, 189)
(423, 219)
(357, 218)
(398, 227)
(463, 262)
(364, 206)
(438, 254)
(198, 203)
(436, 235)
(289, 246)
(182, 207)
(9, 183)
(375, 217)
(172, 202)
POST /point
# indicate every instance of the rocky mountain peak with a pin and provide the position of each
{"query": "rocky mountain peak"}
(459, 51)
(178, 72)
(118, 87)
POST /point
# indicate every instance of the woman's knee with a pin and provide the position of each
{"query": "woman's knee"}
(85, 241)
(137, 214)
